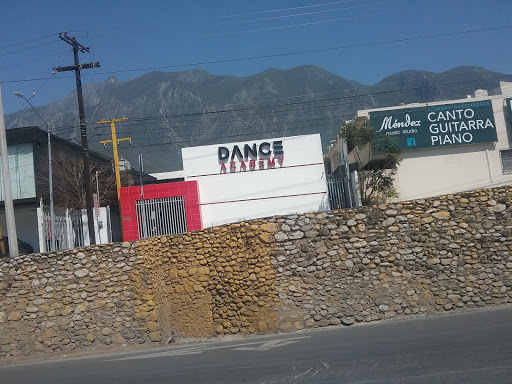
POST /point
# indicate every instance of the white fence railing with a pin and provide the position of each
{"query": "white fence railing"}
(71, 229)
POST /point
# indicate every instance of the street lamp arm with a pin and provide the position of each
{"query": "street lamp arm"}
(19, 94)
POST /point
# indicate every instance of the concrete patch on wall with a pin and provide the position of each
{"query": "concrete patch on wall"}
(214, 281)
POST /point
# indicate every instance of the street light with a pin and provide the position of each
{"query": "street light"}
(50, 178)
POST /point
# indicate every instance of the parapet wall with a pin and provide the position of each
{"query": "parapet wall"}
(278, 274)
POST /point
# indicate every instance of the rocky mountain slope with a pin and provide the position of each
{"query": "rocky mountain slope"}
(169, 110)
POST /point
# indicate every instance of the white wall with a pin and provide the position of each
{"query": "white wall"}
(241, 195)
(432, 172)
(101, 234)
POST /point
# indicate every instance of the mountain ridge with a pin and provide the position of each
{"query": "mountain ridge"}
(169, 110)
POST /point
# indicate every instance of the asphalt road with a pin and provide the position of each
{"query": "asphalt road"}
(471, 347)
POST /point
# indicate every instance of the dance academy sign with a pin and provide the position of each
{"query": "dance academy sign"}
(251, 157)
(438, 125)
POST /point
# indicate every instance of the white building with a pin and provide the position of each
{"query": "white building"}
(447, 147)
(257, 178)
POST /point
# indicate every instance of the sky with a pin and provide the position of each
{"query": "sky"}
(362, 40)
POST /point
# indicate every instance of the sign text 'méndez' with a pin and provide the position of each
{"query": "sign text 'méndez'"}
(436, 126)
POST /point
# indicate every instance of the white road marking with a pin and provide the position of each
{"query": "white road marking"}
(260, 346)
(268, 345)
(300, 375)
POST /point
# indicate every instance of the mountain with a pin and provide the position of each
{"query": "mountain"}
(169, 110)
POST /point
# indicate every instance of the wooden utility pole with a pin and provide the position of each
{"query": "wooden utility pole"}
(114, 142)
(83, 130)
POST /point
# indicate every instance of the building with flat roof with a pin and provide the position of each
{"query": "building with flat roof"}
(27, 149)
(447, 147)
(225, 183)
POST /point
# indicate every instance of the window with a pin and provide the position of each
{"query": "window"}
(21, 172)
(506, 161)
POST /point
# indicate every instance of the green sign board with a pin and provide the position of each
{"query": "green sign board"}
(438, 125)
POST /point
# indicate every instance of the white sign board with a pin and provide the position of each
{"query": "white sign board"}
(96, 204)
(257, 178)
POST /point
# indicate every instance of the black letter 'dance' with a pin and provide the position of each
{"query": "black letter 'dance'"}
(223, 153)
(237, 153)
(278, 148)
(265, 150)
(250, 152)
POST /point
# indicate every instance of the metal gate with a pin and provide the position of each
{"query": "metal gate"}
(160, 217)
(70, 228)
(76, 230)
(60, 231)
(339, 193)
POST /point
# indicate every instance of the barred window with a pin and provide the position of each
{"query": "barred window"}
(506, 161)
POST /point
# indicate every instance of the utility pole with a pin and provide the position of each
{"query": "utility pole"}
(6, 181)
(144, 219)
(97, 212)
(114, 142)
(83, 130)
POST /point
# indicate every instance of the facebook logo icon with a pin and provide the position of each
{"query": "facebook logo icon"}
(411, 142)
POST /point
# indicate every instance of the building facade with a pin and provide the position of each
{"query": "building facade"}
(446, 147)
(28, 157)
(231, 182)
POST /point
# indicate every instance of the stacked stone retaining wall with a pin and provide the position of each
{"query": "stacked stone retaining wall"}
(277, 274)
(73, 300)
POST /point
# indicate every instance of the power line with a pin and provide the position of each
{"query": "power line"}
(295, 96)
(279, 10)
(147, 119)
(292, 53)
(296, 25)
(329, 99)
(212, 138)
(55, 34)
(32, 60)
(245, 134)
(27, 41)
(375, 85)
(26, 49)
(235, 135)
(302, 121)
(144, 121)
(298, 14)
(64, 129)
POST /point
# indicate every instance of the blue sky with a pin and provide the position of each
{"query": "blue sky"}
(136, 35)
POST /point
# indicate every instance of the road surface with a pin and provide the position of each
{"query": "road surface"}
(470, 347)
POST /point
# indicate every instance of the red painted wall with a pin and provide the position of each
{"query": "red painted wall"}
(129, 195)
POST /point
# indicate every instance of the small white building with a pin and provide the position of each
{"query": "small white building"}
(257, 178)
(446, 147)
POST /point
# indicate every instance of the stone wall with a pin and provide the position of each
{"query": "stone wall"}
(416, 257)
(278, 274)
(73, 300)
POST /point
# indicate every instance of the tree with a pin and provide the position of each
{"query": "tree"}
(375, 176)
(68, 182)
